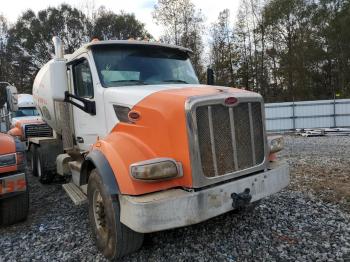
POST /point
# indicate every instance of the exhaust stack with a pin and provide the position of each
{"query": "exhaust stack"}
(57, 42)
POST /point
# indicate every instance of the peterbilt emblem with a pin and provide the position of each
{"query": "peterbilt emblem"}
(230, 101)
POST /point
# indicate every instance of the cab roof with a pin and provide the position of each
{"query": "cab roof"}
(88, 46)
(25, 100)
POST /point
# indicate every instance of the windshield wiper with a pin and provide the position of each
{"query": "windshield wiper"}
(130, 81)
(175, 81)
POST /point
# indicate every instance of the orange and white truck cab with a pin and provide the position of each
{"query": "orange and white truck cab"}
(13, 183)
(146, 145)
(26, 121)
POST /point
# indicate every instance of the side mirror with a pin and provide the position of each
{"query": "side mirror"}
(58, 79)
(210, 76)
(12, 99)
(3, 94)
(58, 72)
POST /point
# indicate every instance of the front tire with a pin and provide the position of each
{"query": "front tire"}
(113, 239)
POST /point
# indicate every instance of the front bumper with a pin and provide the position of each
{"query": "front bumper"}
(176, 207)
(12, 184)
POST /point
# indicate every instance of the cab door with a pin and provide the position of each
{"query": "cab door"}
(87, 126)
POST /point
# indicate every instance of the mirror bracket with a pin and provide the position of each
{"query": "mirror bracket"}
(210, 76)
(88, 106)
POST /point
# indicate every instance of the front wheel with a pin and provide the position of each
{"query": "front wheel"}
(113, 238)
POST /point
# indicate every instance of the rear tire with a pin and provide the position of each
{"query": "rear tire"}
(45, 176)
(33, 159)
(14, 209)
(113, 239)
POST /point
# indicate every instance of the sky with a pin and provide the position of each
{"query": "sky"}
(141, 8)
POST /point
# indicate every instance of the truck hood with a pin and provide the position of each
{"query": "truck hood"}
(7, 144)
(26, 119)
(159, 130)
(131, 95)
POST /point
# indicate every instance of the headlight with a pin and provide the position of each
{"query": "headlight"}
(8, 160)
(156, 169)
(276, 143)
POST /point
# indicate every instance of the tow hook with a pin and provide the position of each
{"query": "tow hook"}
(242, 199)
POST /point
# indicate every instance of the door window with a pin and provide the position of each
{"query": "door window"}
(83, 85)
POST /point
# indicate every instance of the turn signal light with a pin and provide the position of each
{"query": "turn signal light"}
(276, 143)
(20, 158)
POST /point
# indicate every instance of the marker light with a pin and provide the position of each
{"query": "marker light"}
(134, 116)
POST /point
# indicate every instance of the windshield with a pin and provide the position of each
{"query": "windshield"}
(142, 65)
(26, 111)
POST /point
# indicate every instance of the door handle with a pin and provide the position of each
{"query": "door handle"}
(80, 140)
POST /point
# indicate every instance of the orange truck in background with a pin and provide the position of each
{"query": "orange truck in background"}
(14, 196)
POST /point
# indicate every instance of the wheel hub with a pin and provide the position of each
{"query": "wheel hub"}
(99, 211)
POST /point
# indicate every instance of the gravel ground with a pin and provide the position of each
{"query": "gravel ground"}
(321, 166)
(296, 224)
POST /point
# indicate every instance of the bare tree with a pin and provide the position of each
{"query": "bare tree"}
(183, 25)
(3, 45)
(222, 50)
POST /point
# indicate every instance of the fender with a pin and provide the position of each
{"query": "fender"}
(96, 159)
(15, 131)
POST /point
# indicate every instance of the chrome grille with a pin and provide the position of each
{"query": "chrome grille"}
(37, 130)
(230, 138)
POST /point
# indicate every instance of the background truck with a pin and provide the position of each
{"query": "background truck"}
(8, 102)
(26, 109)
(26, 121)
(14, 198)
(145, 144)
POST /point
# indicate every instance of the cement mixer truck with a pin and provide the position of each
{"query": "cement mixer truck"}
(146, 145)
